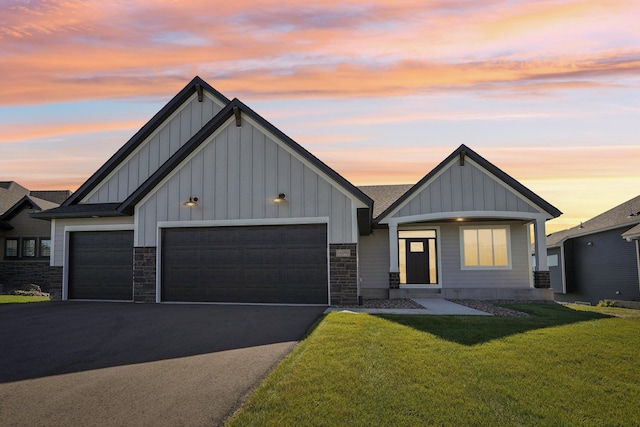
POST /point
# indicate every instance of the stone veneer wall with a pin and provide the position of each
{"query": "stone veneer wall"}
(144, 274)
(394, 280)
(343, 270)
(14, 274)
(541, 279)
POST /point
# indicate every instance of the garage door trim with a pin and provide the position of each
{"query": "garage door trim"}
(68, 229)
(236, 223)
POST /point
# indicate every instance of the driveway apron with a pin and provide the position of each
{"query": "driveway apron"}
(92, 363)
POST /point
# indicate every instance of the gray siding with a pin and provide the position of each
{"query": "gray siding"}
(556, 272)
(90, 223)
(595, 272)
(373, 254)
(519, 276)
(236, 174)
(464, 188)
(152, 153)
(24, 226)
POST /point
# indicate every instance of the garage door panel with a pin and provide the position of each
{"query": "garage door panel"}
(261, 264)
(101, 265)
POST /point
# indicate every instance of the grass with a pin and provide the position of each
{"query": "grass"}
(562, 366)
(19, 299)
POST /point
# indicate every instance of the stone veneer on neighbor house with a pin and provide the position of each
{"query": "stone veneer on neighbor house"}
(343, 270)
(14, 274)
(144, 274)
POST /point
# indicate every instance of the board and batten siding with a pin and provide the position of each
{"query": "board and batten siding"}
(58, 227)
(464, 188)
(519, 276)
(373, 256)
(155, 150)
(235, 175)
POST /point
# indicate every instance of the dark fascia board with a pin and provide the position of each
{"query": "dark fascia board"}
(127, 207)
(500, 174)
(18, 206)
(140, 136)
(85, 210)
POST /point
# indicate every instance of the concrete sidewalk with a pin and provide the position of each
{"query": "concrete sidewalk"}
(432, 306)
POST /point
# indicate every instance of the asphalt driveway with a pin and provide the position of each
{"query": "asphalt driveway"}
(82, 363)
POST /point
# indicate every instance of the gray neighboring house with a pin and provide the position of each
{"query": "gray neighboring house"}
(26, 242)
(209, 202)
(599, 259)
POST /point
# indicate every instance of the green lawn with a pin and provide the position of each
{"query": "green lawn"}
(563, 366)
(17, 299)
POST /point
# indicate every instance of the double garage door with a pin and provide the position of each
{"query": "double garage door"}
(259, 264)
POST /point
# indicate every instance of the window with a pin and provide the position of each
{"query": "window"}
(28, 248)
(11, 248)
(45, 248)
(485, 247)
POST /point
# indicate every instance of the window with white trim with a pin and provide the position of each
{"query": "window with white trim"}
(485, 247)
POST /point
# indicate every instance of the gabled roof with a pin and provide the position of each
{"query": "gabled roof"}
(140, 136)
(617, 217)
(56, 196)
(27, 202)
(633, 234)
(10, 193)
(497, 172)
(71, 209)
(384, 195)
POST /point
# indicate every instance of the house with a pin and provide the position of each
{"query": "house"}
(209, 202)
(25, 242)
(599, 259)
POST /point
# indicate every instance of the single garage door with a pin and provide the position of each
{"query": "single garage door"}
(101, 265)
(257, 264)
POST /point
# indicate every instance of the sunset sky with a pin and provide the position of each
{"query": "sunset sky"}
(382, 91)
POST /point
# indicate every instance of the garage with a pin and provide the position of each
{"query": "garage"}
(284, 264)
(101, 265)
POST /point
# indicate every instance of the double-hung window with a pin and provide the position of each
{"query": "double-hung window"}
(485, 247)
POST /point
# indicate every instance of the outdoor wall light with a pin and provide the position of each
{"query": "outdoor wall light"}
(193, 201)
(281, 198)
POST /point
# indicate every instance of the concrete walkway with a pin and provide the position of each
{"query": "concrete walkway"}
(432, 306)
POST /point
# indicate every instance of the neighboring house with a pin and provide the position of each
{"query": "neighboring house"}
(600, 258)
(209, 202)
(25, 242)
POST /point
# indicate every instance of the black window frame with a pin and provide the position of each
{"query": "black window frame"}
(40, 239)
(23, 247)
(13, 239)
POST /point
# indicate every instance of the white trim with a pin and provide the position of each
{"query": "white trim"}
(564, 276)
(237, 223)
(243, 303)
(467, 216)
(355, 232)
(244, 222)
(389, 218)
(424, 227)
(52, 256)
(528, 231)
(506, 227)
(65, 254)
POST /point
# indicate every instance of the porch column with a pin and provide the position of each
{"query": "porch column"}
(394, 270)
(541, 276)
